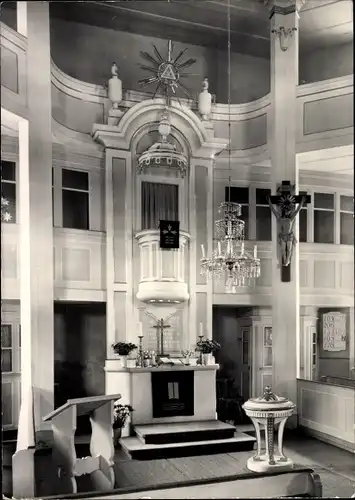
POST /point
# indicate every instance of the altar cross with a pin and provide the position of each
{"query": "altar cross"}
(286, 211)
(160, 327)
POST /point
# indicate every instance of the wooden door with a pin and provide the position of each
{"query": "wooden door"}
(262, 356)
(245, 361)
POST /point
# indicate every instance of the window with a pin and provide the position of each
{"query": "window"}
(263, 215)
(240, 195)
(75, 199)
(8, 187)
(303, 226)
(6, 348)
(159, 201)
(346, 220)
(323, 218)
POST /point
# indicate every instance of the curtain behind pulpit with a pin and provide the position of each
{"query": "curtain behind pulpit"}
(160, 201)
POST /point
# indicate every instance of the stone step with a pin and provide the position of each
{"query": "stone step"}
(183, 432)
(137, 450)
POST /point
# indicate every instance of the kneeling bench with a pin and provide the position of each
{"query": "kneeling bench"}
(297, 482)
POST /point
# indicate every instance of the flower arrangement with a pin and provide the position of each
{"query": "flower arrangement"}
(123, 348)
(120, 415)
(186, 353)
(207, 346)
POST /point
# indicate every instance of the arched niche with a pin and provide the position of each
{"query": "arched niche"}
(145, 137)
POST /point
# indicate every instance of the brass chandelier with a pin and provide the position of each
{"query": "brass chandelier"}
(230, 262)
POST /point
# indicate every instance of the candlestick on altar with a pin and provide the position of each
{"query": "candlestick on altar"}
(255, 252)
(140, 357)
(201, 330)
(201, 338)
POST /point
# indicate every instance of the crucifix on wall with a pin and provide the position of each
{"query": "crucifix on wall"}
(160, 326)
(285, 206)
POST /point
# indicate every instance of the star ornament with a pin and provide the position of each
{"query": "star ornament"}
(167, 73)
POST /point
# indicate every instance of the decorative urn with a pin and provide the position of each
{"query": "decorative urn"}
(115, 96)
(269, 411)
(205, 101)
(115, 87)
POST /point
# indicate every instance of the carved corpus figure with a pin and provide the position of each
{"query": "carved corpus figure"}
(286, 211)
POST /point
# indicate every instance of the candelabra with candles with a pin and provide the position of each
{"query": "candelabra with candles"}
(230, 261)
(232, 264)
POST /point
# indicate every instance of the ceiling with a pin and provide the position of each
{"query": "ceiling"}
(322, 22)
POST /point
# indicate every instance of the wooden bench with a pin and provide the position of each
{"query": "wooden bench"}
(297, 482)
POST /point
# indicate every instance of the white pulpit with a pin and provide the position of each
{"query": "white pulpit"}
(136, 385)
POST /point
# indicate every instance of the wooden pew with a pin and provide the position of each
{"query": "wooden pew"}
(297, 482)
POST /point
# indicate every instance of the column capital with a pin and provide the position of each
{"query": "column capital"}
(284, 7)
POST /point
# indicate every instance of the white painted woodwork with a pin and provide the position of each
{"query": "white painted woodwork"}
(100, 463)
(163, 275)
(136, 388)
(11, 381)
(282, 137)
(327, 410)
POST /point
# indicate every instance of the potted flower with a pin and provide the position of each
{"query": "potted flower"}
(120, 416)
(189, 356)
(122, 350)
(207, 347)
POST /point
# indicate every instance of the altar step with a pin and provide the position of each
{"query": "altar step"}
(185, 439)
(184, 432)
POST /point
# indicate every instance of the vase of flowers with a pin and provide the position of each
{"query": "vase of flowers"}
(207, 347)
(187, 355)
(122, 350)
(120, 417)
(146, 358)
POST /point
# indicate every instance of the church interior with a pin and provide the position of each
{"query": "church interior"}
(177, 249)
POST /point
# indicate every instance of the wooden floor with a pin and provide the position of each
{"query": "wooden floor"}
(335, 467)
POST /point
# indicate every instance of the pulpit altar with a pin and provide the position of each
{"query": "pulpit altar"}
(100, 462)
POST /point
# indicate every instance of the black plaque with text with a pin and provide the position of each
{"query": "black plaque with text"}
(169, 233)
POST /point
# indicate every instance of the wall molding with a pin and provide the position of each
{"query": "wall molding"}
(325, 85)
(13, 36)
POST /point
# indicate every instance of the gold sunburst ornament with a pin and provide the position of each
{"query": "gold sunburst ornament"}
(167, 73)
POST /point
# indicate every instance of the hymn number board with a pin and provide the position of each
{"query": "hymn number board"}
(169, 234)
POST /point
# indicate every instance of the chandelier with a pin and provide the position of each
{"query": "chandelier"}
(230, 262)
(163, 153)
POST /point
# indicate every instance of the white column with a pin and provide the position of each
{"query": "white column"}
(21, 12)
(119, 248)
(110, 258)
(36, 228)
(210, 234)
(201, 230)
(192, 255)
(282, 139)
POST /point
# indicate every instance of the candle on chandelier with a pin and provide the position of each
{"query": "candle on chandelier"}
(203, 251)
(219, 248)
(201, 330)
(139, 329)
(242, 251)
(255, 252)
